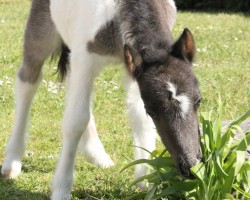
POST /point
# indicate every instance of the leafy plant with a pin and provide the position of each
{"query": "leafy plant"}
(224, 174)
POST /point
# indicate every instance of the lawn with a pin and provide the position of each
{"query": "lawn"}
(222, 67)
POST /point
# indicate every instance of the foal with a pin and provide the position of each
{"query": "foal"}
(162, 88)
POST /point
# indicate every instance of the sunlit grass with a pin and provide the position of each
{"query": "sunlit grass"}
(223, 66)
(223, 174)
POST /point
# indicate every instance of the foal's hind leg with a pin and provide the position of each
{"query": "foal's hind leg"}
(92, 147)
(41, 40)
(142, 127)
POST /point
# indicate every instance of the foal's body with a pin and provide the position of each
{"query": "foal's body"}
(96, 32)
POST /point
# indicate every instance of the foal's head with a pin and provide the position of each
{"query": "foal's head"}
(171, 96)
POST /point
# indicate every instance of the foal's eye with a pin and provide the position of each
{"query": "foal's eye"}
(197, 103)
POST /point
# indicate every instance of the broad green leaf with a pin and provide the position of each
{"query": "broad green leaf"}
(218, 164)
(210, 136)
(241, 191)
(192, 195)
(230, 162)
(199, 171)
(225, 138)
(228, 138)
(157, 152)
(218, 124)
(151, 193)
(228, 196)
(165, 176)
(207, 129)
(240, 159)
(244, 143)
(167, 191)
(186, 186)
(162, 162)
(211, 181)
(207, 142)
(159, 162)
(149, 152)
(246, 166)
(228, 182)
(164, 152)
(241, 118)
(225, 152)
(136, 162)
(243, 177)
(146, 177)
(208, 158)
(205, 116)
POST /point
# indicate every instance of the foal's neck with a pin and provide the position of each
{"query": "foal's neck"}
(144, 24)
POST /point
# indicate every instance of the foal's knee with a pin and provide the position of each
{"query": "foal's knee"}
(75, 122)
(30, 71)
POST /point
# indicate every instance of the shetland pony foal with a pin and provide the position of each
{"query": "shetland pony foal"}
(161, 82)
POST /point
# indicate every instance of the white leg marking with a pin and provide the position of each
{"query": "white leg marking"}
(77, 23)
(183, 100)
(76, 118)
(92, 147)
(16, 146)
(142, 126)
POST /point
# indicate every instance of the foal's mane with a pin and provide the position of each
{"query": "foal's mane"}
(145, 25)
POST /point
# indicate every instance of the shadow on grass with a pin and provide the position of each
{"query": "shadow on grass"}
(10, 191)
(98, 195)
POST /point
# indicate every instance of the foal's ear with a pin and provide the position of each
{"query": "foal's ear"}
(184, 47)
(133, 61)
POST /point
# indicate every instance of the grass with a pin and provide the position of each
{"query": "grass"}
(223, 174)
(222, 66)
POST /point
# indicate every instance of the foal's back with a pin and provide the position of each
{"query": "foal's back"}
(78, 21)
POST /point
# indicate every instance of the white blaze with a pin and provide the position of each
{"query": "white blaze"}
(183, 100)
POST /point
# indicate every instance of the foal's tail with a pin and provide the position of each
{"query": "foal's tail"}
(63, 62)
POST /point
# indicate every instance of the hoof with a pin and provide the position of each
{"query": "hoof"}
(60, 196)
(101, 160)
(105, 163)
(12, 170)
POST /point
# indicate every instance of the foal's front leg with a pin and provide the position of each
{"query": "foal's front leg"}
(16, 145)
(41, 40)
(76, 118)
(142, 127)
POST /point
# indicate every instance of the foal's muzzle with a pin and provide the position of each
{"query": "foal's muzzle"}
(184, 166)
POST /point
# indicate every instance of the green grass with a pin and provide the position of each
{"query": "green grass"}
(223, 68)
(223, 174)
